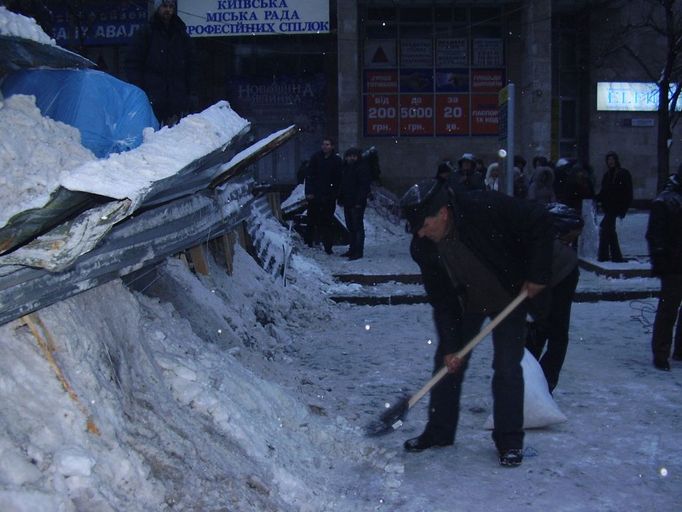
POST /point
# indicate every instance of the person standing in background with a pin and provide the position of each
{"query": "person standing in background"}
(161, 61)
(321, 189)
(664, 236)
(355, 188)
(615, 198)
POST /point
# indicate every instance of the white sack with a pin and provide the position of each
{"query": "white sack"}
(539, 408)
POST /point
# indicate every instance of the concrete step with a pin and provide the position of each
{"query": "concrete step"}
(419, 297)
(399, 299)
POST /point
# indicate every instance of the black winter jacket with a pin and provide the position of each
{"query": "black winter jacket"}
(512, 237)
(664, 232)
(162, 63)
(323, 177)
(355, 184)
(615, 195)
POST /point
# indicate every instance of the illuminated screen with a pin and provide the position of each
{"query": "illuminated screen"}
(629, 96)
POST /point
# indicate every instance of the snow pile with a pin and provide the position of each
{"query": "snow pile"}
(183, 423)
(163, 154)
(33, 151)
(16, 25)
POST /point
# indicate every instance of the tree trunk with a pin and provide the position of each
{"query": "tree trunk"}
(664, 136)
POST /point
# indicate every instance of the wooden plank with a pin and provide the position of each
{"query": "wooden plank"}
(228, 249)
(47, 345)
(275, 205)
(199, 259)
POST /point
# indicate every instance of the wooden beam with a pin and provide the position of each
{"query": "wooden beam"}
(47, 346)
(228, 248)
(199, 259)
(275, 205)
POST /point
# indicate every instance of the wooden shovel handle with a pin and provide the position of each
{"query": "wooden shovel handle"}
(469, 346)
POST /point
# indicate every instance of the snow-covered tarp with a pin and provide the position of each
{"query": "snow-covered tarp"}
(110, 114)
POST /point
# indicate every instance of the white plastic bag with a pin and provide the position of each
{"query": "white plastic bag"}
(539, 408)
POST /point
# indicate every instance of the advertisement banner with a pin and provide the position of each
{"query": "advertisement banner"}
(452, 53)
(630, 96)
(381, 115)
(452, 114)
(211, 18)
(97, 26)
(452, 80)
(487, 80)
(416, 80)
(416, 53)
(485, 118)
(416, 114)
(380, 53)
(381, 81)
(488, 53)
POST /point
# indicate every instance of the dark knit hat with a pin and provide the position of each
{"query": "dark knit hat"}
(422, 200)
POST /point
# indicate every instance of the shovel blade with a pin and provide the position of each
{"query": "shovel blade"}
(390, 420)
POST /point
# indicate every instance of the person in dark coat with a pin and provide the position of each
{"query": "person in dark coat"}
(321, 189)
(477, 250)
(615, 198)
(466, 175)
(547, 335)
(664, 236)
(355, 188)
(161, 61)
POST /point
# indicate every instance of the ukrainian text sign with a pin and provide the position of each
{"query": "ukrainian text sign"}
(205, 18)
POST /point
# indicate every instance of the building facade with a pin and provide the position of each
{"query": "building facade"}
(420, 80)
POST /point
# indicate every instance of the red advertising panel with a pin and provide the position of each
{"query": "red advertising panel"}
(381, 81)
(485, 119)
(452, 114)
(416, 114)
(487, 80)
(381, 115)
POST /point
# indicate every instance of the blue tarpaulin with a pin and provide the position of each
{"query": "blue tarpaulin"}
(109, 113)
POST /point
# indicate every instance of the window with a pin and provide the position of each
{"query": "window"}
(432, 71)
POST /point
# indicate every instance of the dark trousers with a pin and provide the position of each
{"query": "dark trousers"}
(507, 384)
(552, 326)
(320, 223)
(668, 304)
(609, 249)
(356, 227)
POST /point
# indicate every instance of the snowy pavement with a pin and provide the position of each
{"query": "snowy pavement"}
(619, 450)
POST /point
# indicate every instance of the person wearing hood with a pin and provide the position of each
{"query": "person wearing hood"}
(493, 178)
(615, 198)
(466, 175)
(664, 237)
(161, 61)
(476, 251)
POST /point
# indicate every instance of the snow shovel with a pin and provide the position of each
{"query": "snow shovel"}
(393, 417)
